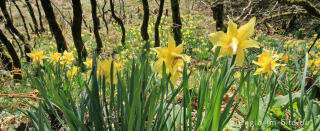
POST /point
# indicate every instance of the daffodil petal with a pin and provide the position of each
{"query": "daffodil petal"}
(247, 30)
(218, 38)
(172, 43)
(249, 44)
(232, 28)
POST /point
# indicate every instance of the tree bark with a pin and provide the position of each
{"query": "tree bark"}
(11, 27)
(96, 25)
(156, 26)
(33, 17)
(218, 16)
(176, 28)
(12, 52)
(104, 14)
(54, 27)
(119, 21)
(23, 19)
(76, 31)
(144, 26)
(40, 17)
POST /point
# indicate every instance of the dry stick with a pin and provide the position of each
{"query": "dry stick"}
(314, 42)
(22, 95)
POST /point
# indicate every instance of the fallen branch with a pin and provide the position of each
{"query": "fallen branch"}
(281, 15)
(32, 95)
(307, 5)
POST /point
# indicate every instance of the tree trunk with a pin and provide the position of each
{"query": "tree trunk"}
(12, 52)
(156, 26)
(54, 27)
(218, 16)
(11, 27)
(176, 28)
(119, 21)
(33, 17)
(76, 31)
(23, 20)
(104, 14)
(40, 17)
(144, 26)
(96, 25)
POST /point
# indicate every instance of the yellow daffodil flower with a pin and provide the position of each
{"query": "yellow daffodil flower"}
(267, 62)
(88, 63)
(235, 41)
(104, 68)
(55, 57)
(72, 72)
(36, 56)
(172, 58)
(67, 58)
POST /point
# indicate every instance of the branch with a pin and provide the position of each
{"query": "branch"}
(307, 5)
(280, 15)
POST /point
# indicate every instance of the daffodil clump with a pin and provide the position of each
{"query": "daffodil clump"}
(235, 41)
(55, 57)
(67, 58)
(173, 59)
(36, 56)
(104, 69)
(267, 62)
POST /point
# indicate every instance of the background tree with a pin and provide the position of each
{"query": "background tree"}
(33, 17)
(14, 30)
(76, 30)
(144, 26)
(39, 16)
(156, 26)
(119, 21)
(23, 19)
(177, 25)
(96, 25)
(12, 52)
(54, 27)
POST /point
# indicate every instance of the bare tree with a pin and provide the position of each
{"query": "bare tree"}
(76, 31)
(177, 25)
(12, 52)
(119, 21)
(96, 25)
(13, 29)
(156, 26)
(54, 27)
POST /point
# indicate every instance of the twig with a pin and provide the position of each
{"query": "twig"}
(314, 42)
